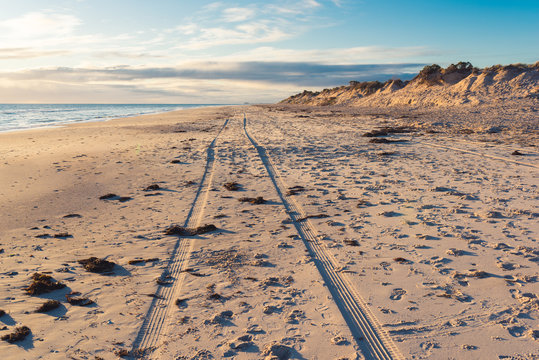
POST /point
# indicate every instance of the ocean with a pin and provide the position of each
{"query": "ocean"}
(28, 116)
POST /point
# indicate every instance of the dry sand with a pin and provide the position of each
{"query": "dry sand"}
(424, 248)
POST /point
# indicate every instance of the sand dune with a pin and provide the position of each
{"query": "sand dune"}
(460, 84)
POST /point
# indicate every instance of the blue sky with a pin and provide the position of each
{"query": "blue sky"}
(174, 51)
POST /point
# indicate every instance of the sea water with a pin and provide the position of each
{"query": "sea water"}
(28, 116)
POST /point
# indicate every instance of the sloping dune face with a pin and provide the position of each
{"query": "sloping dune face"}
(458, 84)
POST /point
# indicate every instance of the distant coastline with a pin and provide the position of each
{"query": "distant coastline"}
(15, 117)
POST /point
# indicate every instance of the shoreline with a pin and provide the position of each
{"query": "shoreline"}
(99, 119)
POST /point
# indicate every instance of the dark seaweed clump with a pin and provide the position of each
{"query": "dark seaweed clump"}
(73, 299)
(232, 186)
(97, 265)
(182, 231)
(48, 306)
(42, 283)
(19, 334)
(255, 201)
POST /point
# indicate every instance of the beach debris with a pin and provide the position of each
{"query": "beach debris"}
(182, 303)
(232, 186)
(139, 261)
(386, 141)
(351, 242)
(175, 161)
(387, 153)
(121, 353)
(112, 196)
(62, 235)
(517, 153)
(96, 265)
(73, 299)
(388, 130)
(154, 194)
(2, 313)
(48, 306)
(295, 190)
(19, 334)
(43, 236)
(152, 187)
(71, 216)
(193, 272)
(155, 296)
(182, 231)
(317, 216)
(276, 351)
(255, 201)
(402, 260)
(42, 283)
(108, 196)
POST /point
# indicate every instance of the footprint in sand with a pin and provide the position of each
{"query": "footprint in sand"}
(397, 294)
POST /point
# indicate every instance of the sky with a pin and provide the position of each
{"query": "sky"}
(233, 52)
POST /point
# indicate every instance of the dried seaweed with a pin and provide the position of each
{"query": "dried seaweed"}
(43, 284)
(182, 231)
(48, 306)
(19, 334)
(255, 201)
(97, 265)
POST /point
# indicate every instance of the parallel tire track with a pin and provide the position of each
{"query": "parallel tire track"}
(374, 342)
(155, 321)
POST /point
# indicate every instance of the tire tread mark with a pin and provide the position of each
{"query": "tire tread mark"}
(362, 322)
(154, 322)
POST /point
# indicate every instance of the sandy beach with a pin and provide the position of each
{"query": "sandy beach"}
(419, 243)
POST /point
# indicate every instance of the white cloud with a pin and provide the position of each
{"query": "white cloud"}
(25, 53)
(245, 33)
(342, 56)
(311, 4)
(33, 26)
(237, 14)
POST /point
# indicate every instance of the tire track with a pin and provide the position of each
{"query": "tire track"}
(155, 320)
(369, 335)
